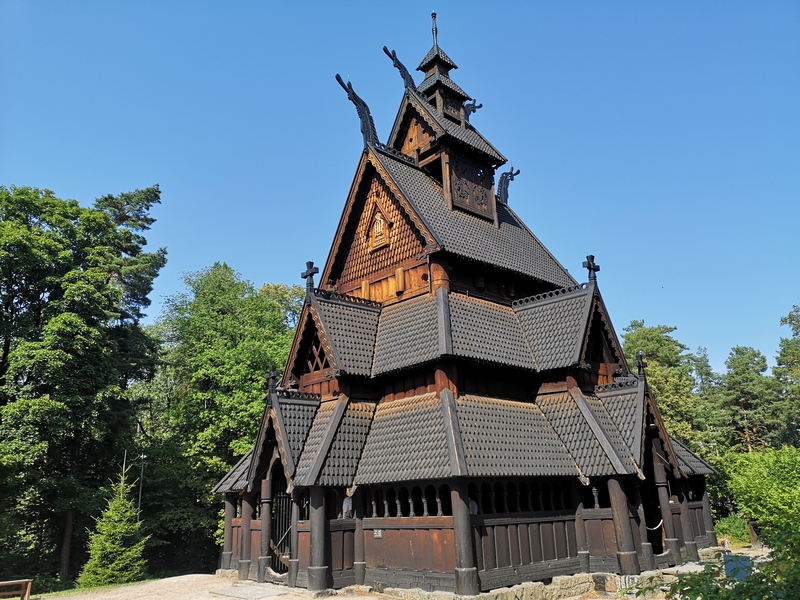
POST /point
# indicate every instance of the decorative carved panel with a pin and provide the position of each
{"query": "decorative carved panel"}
(471, 183)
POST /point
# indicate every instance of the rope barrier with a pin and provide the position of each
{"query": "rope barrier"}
(660, 523)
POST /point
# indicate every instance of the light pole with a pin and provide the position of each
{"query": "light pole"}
(141, 477)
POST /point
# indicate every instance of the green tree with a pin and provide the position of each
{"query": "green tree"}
(73, 284)
(201, 411)
(787, 375)
(749, 400)
(116, 545)
(671, 372)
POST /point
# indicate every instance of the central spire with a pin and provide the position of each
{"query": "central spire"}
(435, 31)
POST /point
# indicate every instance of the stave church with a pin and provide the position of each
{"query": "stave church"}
(456, 412)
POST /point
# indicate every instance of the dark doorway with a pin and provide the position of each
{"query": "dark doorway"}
(281, 521)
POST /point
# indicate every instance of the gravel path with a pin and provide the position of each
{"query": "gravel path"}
(189, 587)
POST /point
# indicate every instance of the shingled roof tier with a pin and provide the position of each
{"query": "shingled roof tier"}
(465, 134)
(419, 423)
(690, 463)
(350, 325)
(554, 324)
(433, 54)
(444, 80)
(509, 245)
(504, 438)
(235, 480)
(624, 401)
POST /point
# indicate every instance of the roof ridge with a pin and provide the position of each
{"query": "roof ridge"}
(550, 295)
(393, 152)
(330, 295)
(617, 384)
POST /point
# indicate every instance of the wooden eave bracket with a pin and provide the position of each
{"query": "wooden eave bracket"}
(452, 431)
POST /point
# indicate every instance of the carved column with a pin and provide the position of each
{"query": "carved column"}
(466, 572)
(266, 528)
(626, 547)
(708, 521)
(359, 556)
(248, 507)
(686, 523)
(227, 544)
(660, 477)
(317, 569)
(648, 556)
(580, 527)
(294, 540)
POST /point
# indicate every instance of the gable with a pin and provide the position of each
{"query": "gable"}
(383, 237)
(601, 344)
(413, 134)
(311, 353)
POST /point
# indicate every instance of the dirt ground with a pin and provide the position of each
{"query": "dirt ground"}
(211, 587)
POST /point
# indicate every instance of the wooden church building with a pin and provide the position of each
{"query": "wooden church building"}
(456, 413)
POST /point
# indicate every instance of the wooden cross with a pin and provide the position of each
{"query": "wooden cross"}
(308, 275)
(592, 266)
(272, 378)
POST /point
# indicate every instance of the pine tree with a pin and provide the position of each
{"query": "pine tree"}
(116, 545)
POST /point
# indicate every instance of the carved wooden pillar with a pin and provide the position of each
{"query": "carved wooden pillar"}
(580, 527)
(708, 521)
(294, 540)
(626, 547)
(466, 572)
(359, 556)
(248, 506)
(266, 528)
(648, 556)
(660, 476)
(439, 274)
(686, 522)
(227, 544)
(317, 569)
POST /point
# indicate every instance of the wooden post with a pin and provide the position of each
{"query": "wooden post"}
(359, 556)
(317, 569)
(266, 528)
(648, 556)
(580, 527)
(626, 548)
(294, 540)
(248, 502)
(708, 521)
(686, 523)
(227, 544)
(466, 572)
(660, 476)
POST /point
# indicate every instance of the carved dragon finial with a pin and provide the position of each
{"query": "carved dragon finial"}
(367, 124)
(471, 108)
(407, 79)
(502, 187)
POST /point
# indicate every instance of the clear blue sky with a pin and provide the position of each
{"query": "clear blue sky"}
(663, 137)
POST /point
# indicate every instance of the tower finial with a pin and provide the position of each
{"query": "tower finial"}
(435, 31)
(308, 275)
(592, 266)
